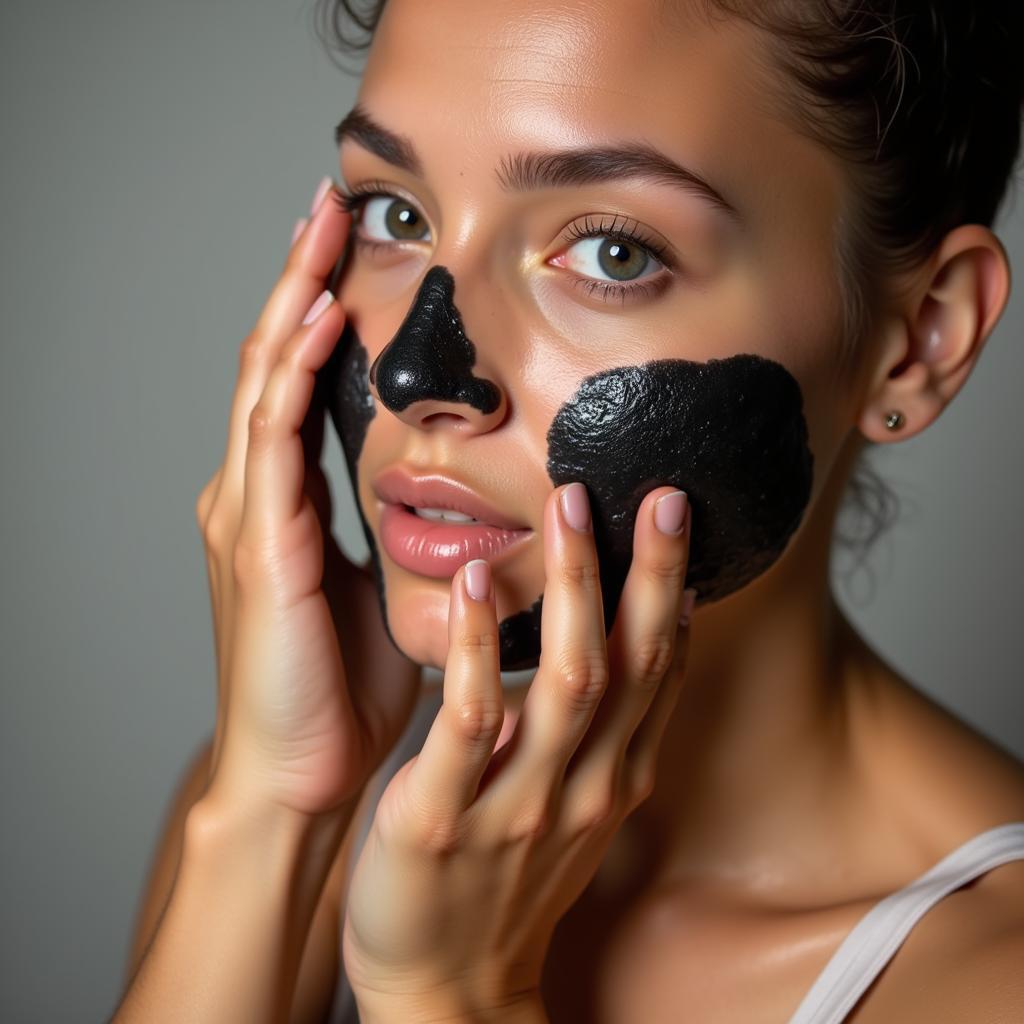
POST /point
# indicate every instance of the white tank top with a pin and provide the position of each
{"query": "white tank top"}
(860, 957)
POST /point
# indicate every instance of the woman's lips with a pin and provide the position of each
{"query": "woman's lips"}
(438, 549)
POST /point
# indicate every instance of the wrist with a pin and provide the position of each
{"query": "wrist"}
(230, 806)
(228, 946)
(229, 833)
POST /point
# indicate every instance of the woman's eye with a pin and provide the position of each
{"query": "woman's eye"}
(389, 219)
(610, 259)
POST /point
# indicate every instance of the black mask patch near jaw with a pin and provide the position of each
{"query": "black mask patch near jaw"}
(430, 357)
(343, 385)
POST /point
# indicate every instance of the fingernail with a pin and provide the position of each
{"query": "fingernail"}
(689, 597)
(478, 579)
(321, 193)
(324, 300)
(300, 225)
(670, 513)
(576, 507)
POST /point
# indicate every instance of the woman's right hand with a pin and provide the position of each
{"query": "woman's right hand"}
(311, 692)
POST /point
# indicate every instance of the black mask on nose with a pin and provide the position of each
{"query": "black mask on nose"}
(430, 358)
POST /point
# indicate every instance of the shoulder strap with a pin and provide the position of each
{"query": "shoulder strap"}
(876, 937)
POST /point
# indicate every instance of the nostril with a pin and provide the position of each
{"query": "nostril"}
(439, 418)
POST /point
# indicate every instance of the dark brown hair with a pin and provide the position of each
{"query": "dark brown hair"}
(921, 99)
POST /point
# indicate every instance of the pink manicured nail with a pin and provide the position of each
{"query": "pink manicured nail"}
(324, 300)
(300, 225)
(321, 193)
(576, 507)
(689, 597)
(670, 513)
(478, 579)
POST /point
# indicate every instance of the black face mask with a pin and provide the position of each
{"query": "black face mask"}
(729, 432)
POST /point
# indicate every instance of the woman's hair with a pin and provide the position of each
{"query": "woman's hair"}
(922, 101)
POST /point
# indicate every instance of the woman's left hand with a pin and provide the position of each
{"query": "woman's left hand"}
(475, 854)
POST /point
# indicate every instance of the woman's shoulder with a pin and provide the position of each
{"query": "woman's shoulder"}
(947, 783)
(961, 962)
(947, 778)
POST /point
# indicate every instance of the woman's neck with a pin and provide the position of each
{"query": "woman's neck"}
(758, 758)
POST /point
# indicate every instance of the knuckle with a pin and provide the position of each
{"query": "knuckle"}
(665, 571)
(477, 643)
(652, 658)
(581, 575)
(440, 836)
(531, 823)
(479, 719)
(250, 353)
(249, 565)
(261, 425)
(583, 677)
(599, 806)
(216, 532)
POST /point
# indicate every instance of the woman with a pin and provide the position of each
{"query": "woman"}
(602, 256)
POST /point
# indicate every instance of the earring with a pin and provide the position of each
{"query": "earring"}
(895, 419)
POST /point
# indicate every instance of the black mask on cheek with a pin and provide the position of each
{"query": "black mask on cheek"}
(729, 432)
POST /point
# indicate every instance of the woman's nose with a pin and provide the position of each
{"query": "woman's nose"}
(424, 375)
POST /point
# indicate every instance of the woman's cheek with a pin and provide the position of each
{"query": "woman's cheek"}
(591, 331)
(681, 390)
(730, 432)
(379, 281)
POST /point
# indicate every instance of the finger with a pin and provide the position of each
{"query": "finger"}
(275, 466)
(312, 430)
(643, 638)
(310, 261)
(573, 671)
(447, 772)
(641, 756)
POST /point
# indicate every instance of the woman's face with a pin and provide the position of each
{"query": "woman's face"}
(553, 262)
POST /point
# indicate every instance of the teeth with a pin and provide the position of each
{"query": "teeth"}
(444, 515)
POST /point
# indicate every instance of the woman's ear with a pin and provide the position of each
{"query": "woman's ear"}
(929, 347)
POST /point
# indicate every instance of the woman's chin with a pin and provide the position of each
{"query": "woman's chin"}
(417, 610)
(418, 620)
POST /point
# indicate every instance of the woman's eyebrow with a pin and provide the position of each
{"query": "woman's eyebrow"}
(568, 167)
(388, 145)
(524, 172)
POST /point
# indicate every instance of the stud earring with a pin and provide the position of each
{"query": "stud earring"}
(895, 419)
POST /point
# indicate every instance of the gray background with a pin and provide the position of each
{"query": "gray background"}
(155, 157)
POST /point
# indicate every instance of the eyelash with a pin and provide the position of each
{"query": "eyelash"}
(619, 230)
(353, 201)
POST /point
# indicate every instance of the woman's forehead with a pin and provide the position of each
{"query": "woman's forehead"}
(471, 82)
(567, 71)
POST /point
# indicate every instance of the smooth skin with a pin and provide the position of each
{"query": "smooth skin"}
(799, 778)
